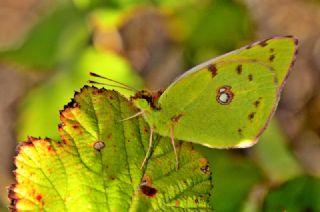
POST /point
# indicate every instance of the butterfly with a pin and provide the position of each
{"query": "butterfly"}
(225, 102)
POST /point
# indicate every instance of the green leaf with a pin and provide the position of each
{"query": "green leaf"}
(58, 36)
(96, 166)
(38, 113)
(299, 194)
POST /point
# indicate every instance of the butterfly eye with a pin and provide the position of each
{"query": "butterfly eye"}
(224, 95)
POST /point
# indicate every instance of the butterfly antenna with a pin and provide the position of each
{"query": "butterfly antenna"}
(111, 80)
(111, 85)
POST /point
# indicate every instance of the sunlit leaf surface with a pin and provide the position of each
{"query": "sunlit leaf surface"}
(96, 165)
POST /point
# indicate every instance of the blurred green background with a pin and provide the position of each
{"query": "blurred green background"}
(47, 49)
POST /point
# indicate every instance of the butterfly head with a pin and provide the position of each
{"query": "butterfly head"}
(146, 100)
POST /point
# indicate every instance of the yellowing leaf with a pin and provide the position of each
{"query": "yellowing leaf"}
(96, 166)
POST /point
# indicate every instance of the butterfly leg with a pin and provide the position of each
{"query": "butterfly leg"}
(174, 147)
(133, 116)
(149, 148)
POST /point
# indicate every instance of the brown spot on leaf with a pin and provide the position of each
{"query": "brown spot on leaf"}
(250, 77)
(271, 50)
(196, 201)
(97, 91)
(239, 69)
(60, 125)
(72, 104)
(240, 131)
(271, 58)
(146, 188)
(177, 203)
(213, 69)
(39, 197)
(99, 145)
(76, 125)
(205, 169)
(251, 116)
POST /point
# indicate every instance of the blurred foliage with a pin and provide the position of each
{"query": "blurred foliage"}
(62, 30)
(233, 178)
(274, 157)
(207, 35)
(39, 114)
(79, 36)
(300, 194)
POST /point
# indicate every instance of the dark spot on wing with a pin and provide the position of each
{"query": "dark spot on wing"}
(256, 103)
(239, 69)
(271, 58)
(213, 69)
(263, 43)
(251, 116)
(250, 77)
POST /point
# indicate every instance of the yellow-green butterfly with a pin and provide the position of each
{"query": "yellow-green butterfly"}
(226, 102)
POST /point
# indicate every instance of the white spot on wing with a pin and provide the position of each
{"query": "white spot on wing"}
(222, 90)
(224, 98)
(224, 95)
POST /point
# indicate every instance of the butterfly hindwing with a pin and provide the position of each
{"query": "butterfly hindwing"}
(228, 101)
